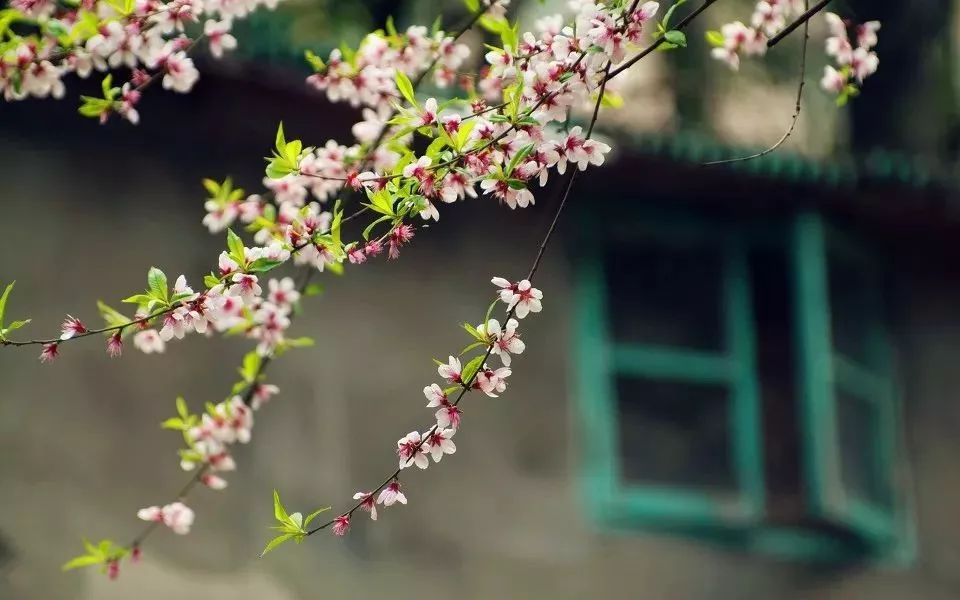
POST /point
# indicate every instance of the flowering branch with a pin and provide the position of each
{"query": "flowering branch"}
(521, 298)
(503, 137)
(796, 110)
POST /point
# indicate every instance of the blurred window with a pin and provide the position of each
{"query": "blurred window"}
(736, 383)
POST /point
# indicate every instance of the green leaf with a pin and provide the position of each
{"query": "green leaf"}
(611, 99)
(14, 326)
(292, 152)
(676, 37)
(473, 332)
(278, 511)
(369, 228)
(486, 318)
(316, 63)
(391, 28)
(157, 284)
(716, 39)
(173, 423)
(472, 346)
(314, 514)
(278, 169)
(314, 289)
(405, 87)
(262, 265)
(251, 366)
(138, 299)
(111, 316)
(3, 301)
(300, 342)
(472, 5)
(235, 246)
(85, 560)
(276, 542)
(666, 18)
(470, 369)
(280, 143)
(518, 157)
(296, 519)
(182, 408)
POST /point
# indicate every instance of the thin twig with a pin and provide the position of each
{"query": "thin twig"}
(659, 41)
(800, 20)
(796, 111)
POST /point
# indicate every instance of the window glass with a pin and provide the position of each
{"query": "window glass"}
(668, 296)
(674, 433)
(854, 312)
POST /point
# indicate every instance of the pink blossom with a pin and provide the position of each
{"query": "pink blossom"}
(391, 494)
(148, 341)
(49, 352)
(341, 525)
(439, 442)
(448, 416)
(114, 345)
(177, 516)
(366, 503)
(410, 451)
(451, 370)
(71, 327)
(492, 382)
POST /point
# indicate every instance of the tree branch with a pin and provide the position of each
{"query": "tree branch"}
(806, 16)
(796, 112)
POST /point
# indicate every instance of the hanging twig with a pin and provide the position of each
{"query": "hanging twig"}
(796, 111)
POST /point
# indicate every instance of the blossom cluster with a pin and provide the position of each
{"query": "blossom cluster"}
(176, 515)
(233, 302)
(366, 76)
(146, 36)
(475, 145)
(418, 448)
(853, 65)
(209, 437)
(735, 39)
(770, 17)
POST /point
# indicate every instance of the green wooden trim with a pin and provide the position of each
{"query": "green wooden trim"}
(815, 374)
(669, 506)
(876, 524)
(807, 545)
(658, 362)
(746, 414)
(860, 381)
(595, 394)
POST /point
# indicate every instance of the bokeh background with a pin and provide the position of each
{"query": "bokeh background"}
(743, 383)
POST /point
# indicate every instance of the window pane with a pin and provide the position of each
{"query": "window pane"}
(857, 429)
(666, 295)
(775, 326)
(674, 433)
(854, 311)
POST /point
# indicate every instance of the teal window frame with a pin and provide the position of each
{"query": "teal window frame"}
(599, 360)
(825, 370)
(739, 519)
